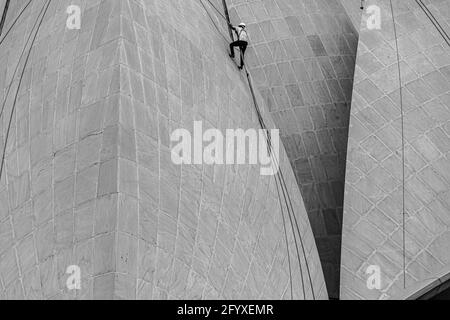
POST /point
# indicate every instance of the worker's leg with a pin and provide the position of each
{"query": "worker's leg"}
(232, 45)
(243, 47)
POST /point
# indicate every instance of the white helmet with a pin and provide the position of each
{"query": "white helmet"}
(242, 25)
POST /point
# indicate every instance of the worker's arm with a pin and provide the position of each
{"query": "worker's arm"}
(232, 27)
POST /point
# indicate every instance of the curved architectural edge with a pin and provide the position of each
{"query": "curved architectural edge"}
(302, 56)
(430, 288)
(89, 179)
(374, 233)
(353, 9)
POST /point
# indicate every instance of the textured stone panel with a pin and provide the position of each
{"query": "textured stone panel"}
(353, 9)
(89, 180)
(373, 224)
(302, 55)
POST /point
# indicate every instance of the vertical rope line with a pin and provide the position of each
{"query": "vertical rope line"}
(20, 82)
(403, 146)
(284, 186)
(18, 63)
(227, 18)
(285, 191)
(290, 213)
(269, 145)
(212, 20)
(301, 241)
(286, 238)
(15, 21)
(279, 180)
(282, 181)
(434, 21)
(5, 12)
(217, 10)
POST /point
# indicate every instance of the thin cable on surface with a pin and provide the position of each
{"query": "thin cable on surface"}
(20, 82)
(212, 20)
(4, 14)
(280, 177)
(14, 22)
(434, 21)
(18, 63)
(290, 213)
(308, 271)
(403, 147)
(228, 20)
(218, 11)
(286, 239)
(278, 180)
(286, 195)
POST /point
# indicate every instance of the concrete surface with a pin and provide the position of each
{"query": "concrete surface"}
(88, 178)
(302, 55)
(353, 9)
(373, 226)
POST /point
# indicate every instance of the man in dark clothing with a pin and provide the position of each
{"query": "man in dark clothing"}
(242, 42)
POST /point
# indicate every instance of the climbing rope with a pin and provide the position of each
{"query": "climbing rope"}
(217, 10)
(20, 79)
(279, 179)
(287, 242)
(287, 199)
(434, 21)
(14, 22)
(212, 20)
(5, 12)
(18, 64)
(403, 146)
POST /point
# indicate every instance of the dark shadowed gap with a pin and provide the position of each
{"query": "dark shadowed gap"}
(441, 292)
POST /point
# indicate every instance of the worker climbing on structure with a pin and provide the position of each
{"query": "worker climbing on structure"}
(241, 42)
